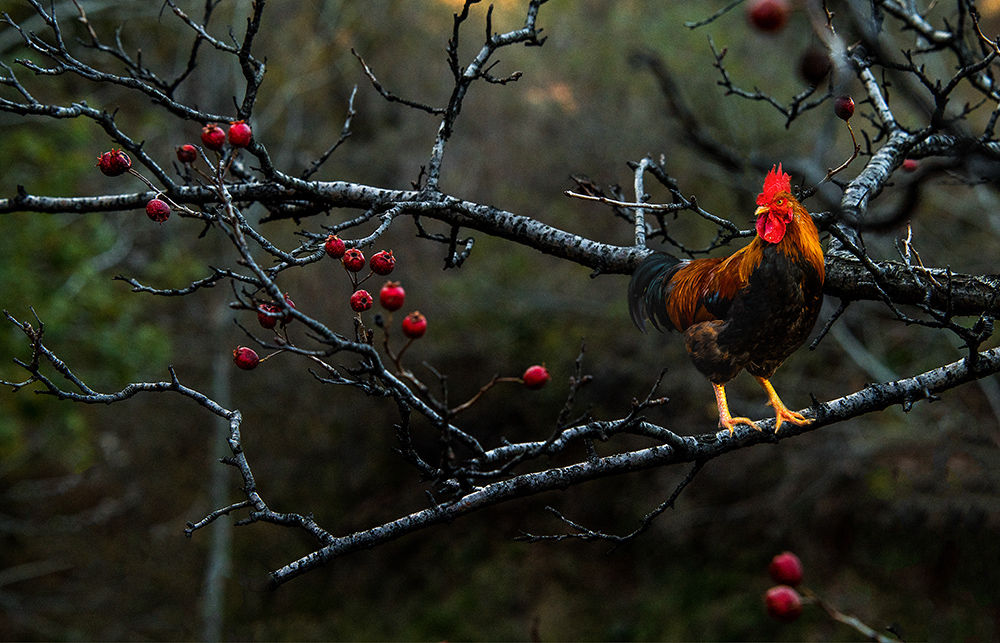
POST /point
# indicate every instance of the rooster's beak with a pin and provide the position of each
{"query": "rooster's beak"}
(762, 210)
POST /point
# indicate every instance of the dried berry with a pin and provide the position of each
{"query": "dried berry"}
(239, 134)
(843, 107)
(361, 301)
(768, 16)
(187, 153)
(414, 325)
(157, 210)
(245, 358)
(114, 163)
(392, 296)
(786, 568)
(213, 136)
(268, 315)
(353, 260)
(382, 262)
(535, 377)
(783, 603)
(335, 246)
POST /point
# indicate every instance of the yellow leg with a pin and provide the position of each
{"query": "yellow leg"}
(781, 412)
(726, 420)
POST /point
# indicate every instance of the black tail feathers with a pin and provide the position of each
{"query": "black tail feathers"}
(648, 290)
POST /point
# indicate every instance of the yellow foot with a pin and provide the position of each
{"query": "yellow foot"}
(783, 414)
(731, 423)
(727, 421)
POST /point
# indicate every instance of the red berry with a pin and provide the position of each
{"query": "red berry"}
(768, 16)
(245, 358)
(814, 65)
(114, 163)
(414, 325)
(334, 246)
(910, 165)
(268, 315)
(783, 603)
(361, 301)
(392, 296)
(382, 262)
(213, 137)
(239, 134)
(786, 568)
(157, 210)
(353, 260)
(535, 377)
(187, 153)
(287, 319)
(843, 107)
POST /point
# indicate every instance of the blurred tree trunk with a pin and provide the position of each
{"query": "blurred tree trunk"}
(218, 564)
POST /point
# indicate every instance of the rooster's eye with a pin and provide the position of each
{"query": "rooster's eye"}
(780, 201)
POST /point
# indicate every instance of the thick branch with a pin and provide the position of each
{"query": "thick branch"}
(847, 279)
(700, 448)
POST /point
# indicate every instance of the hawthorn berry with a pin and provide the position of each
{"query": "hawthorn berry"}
(361, 301)
(157, 210)
(268, 315)
(783, 603)
(287, 319)
(335, 246)
(187, 153)
(239, 134)
(535, 377)
(910, 165)
(414, 325)
(353, 260)
(245, 358)
(382, 262)
(213, 136)
(786, 568)
(114, 163)
(843, 107)
(768, 16)
(814, 65)
(392, 296)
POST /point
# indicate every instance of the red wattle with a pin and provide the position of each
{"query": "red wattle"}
(770, 228)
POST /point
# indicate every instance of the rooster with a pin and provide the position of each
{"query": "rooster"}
(749, 310)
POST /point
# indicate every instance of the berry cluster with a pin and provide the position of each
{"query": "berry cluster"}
(116, 162)
(273, 315)
(783, 601)
(270, 314)
(214, 138)
(381, 263)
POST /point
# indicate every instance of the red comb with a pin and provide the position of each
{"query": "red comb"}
(775, 181)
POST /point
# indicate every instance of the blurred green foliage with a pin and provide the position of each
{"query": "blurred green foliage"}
(59, 267)
(892, 513)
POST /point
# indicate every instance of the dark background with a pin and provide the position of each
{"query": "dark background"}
(895, 514)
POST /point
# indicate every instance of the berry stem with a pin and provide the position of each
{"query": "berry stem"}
(358, 282)
(857, 150)
(161, 194)
(385, 339)
(399, 357)
(482, 390)
(851, 621)
(270, 355)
